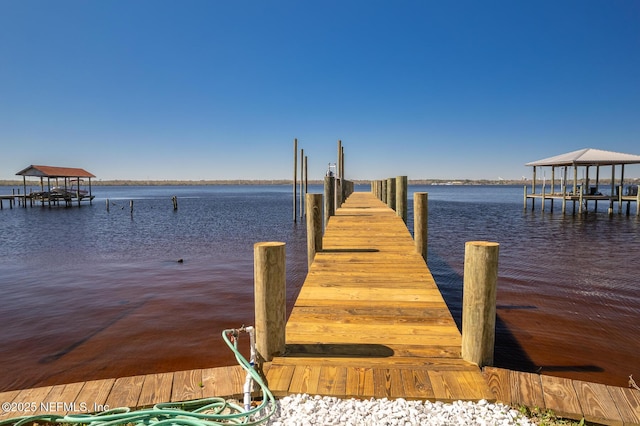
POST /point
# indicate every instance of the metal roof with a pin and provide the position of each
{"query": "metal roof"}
(588, 157)
(54, 172)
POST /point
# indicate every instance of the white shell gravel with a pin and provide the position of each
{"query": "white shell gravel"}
(303, 410)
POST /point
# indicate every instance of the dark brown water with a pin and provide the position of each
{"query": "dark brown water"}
(90, 294)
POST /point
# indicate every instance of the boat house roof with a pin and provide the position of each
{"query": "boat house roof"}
(55, 172)
(588, 157)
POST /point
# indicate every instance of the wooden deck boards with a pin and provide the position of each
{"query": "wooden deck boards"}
(135, 391)
(370, 321)
(573, 399)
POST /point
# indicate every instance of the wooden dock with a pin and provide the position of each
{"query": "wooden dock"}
(370, 321)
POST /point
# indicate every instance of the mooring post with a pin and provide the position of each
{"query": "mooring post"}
(329, 198)
(269, 274)
(131, 206)
(107, 205)
(314, 226)
(401, 197)
(420, 222)
(479, 302)
(174, 199)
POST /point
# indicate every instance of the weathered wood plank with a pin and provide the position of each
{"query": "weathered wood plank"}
(155, 389)
(95, 393)
(526, 389)
(305, 379)
(499, 382)
(125, 392)
(279, 379)
(596, 403)
(417, 384)
(628, 404)
(332, 381)
(187, 385)
(61, 400)
(560, 396)
(360, 382)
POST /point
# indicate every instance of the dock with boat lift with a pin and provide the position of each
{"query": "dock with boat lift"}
(58, 186)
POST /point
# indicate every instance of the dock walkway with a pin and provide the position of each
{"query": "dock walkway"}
(370, 321)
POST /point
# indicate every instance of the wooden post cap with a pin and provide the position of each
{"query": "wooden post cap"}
(481, 243)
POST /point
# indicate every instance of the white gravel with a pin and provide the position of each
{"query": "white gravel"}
(303, 409)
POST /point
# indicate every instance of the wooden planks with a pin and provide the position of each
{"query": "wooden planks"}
(134, 391)
(573, 399)
(370, 321)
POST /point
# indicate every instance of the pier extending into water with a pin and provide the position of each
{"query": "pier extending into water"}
(369, 321)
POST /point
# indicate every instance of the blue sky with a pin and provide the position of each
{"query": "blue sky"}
(208, 89)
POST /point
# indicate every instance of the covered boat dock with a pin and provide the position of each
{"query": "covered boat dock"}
(582, 191)
(63, 185)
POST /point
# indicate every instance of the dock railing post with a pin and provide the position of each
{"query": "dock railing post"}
(420, 222)
(401, 197)
(329, 198)
(479, 302)
(269, 272)
(314, 226)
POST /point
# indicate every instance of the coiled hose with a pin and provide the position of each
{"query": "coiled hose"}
(201, 412)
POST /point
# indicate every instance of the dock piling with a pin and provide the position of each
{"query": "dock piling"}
(420, 222)
(391, 193)
(269, 271)
(314, 226)
(329, 198)
(479, 301)
(401, 197)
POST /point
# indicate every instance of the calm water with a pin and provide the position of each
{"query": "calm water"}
(89, 293)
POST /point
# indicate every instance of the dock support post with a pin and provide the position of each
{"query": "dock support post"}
(384, 191)
(295, 177)
(314, 226)
(329, 198)
(269, 272)
(420, 222)
(401, 197)
(391, 193)
(479, 302)
(525, 198)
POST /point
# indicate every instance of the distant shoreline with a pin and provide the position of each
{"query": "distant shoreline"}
(123, 182)
(458, 182)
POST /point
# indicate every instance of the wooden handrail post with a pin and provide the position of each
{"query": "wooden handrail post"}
(401, 197)
(269, 274)
(421, 222)
(329, 198)
(479, 302)
(314, 226)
